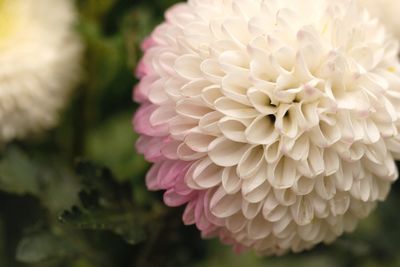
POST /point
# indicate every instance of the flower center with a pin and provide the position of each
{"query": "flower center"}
(7, 18)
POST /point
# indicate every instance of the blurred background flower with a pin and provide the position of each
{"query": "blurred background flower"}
(57, 210)
(387, 11)
(39, 64)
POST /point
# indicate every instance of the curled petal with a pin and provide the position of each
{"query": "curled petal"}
(224, 205)
(221, 147)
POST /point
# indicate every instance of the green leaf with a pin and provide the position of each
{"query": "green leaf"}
(46, 178)
(41, 247)
(116, 135)
(60, 187)
(104, 205)
(18, 175)
(121, 223)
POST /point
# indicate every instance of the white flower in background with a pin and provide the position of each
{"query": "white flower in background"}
(388, 11)
(276, 122)
(39, 64)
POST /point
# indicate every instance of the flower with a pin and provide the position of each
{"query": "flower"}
(275, 122)
(387, 11)
(39, 64)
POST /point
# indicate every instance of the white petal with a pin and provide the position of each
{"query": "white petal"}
(251, 162)
(212, 71)
(211, 94)
(234, 129)
(206, 174)
(339, 204)
(310, 231)
(300, 149)
(223, 205)
(235, 109)
(234, 62)
(258, 194)
(343, 178)
(332, 162)
(258, 228)
(180, 126)
(194, 88)
(162, 115)
(285, 121)
(304, 186)
(192, 109)
(285, 197)
(316, 160)
(250, 210)
(231, 182)
(188, 67)
(237, 30)
(236, 222)
(273, 152)
(325, 187)
(262, 131)
(302, 211)
(209, 123)
(221, 147)
(256, 180)
(235, 86)
(283, 174)
(198, 142)
(275, 214)
(261, 101)
(186, 153)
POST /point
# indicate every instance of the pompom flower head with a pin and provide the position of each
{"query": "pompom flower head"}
(275, 122)
(39, 64)
(387, 11)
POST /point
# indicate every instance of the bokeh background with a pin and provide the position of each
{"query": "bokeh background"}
(75, 196)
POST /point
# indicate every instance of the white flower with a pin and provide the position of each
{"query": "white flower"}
(39, 64)
(276, 121)
(387, 11)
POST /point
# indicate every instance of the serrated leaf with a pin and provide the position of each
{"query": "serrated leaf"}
(59, 189)
(104, 205)
(101, 180)
(122, 224)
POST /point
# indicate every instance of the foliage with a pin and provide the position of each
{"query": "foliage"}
(59, 205)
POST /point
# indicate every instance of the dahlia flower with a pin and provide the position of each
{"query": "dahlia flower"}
(387, 11)
(275, 122)
(39, 64)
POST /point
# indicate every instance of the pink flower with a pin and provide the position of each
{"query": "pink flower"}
(274, 122)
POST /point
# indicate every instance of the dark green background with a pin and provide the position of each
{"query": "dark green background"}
(61, 206)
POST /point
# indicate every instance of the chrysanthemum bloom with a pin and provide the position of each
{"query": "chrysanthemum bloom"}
(387, 11)
(39, 64)
(275, 122)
